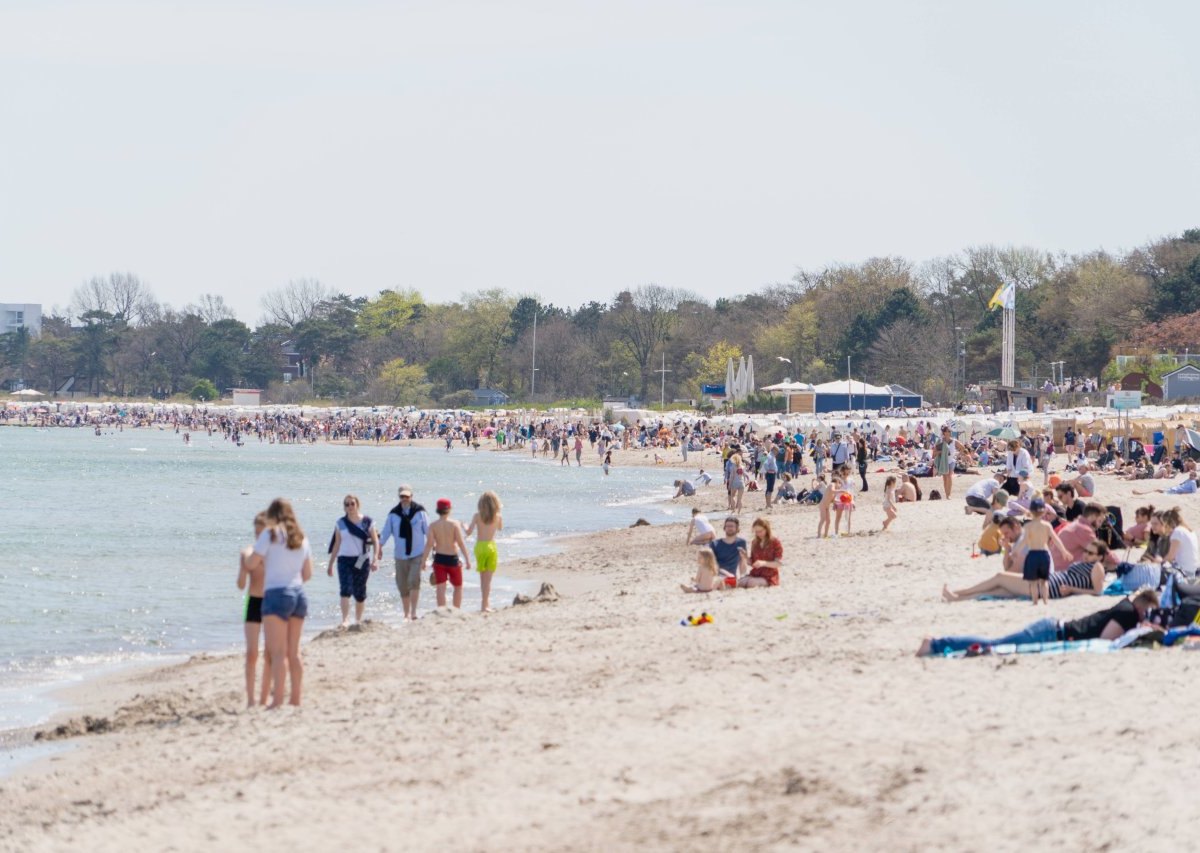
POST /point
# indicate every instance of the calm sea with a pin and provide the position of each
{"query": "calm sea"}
(123, 546)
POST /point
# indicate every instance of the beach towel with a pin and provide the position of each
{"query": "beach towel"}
(1060, 647)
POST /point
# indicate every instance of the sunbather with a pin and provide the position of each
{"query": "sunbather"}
(1108, 624)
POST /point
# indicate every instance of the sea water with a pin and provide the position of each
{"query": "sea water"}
(123, 546)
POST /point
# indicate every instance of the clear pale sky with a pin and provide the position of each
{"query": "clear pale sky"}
(573, 149)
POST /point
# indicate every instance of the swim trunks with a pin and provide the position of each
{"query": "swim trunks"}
(1037, 566)
(254, 609)
(446, 568)
(486, 556)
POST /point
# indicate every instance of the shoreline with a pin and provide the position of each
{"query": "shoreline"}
(799, 718)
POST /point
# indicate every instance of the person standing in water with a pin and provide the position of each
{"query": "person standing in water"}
(445, 542)
(486, 523)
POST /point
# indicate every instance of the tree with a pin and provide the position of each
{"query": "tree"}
(122, 295)
(204, 390)
(14, 349)
(1177, 293)
(295, 302)
(51, 362)
(711, 367)
(794, 338)
(643, 319)
(482, 332)
(96, 342)
(219, 356)
(390, 312)
(210, 308)
(400, 384)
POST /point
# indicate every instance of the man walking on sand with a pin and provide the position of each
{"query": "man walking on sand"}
(409, 525)
(446, 540)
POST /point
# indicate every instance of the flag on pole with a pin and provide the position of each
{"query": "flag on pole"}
(1005, 297)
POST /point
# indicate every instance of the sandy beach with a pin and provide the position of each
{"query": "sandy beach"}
(799, 719)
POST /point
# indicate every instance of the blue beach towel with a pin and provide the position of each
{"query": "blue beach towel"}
(1056, 648)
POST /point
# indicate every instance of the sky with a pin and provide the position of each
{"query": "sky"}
(569, 150)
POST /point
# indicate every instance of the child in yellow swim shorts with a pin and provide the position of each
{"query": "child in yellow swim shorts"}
(486, 523)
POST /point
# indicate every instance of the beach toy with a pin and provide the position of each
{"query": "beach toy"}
(1054, 480)
(694, 621)
(845, 498)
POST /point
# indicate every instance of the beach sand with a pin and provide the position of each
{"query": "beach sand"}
(799, 719)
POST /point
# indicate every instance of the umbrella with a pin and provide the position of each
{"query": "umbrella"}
(28, 392)
(1006, 433)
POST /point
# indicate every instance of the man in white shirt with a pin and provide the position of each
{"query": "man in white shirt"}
(979, 496)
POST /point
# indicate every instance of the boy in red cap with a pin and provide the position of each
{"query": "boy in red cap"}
(445, 541)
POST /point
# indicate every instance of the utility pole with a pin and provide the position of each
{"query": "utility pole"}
(662, 392)
(533, 370)
(849, 400)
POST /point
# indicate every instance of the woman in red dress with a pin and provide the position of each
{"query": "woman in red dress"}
(766, 557)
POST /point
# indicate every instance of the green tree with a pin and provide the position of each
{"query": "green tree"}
(392, 311)
(204, 390)
(95, 344)
(711, 366)
(220, 355)
(400, 384)
(481, 332)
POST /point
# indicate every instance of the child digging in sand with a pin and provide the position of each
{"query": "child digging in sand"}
(486, 523)
(253, 622)
(889, 501)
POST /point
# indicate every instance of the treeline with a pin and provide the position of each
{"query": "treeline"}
(927, 327)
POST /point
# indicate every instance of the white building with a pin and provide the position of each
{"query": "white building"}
(14, 315)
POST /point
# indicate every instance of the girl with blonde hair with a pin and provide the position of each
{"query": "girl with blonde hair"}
(485, 524)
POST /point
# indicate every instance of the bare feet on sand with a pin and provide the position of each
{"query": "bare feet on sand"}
(947, 595)
(926, 647)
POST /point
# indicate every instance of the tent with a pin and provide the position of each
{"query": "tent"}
(854, 395)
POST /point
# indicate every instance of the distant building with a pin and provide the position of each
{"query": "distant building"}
(14, 315)
(1181, 382)
(489, 397)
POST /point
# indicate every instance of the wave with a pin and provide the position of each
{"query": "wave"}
(520, 536)
(642, 500)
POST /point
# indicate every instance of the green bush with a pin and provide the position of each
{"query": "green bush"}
(204, 390)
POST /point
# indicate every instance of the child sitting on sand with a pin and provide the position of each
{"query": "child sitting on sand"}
(707, 574)
(253, 621)
(989, 541)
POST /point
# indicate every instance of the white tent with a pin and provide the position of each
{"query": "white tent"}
(841, 386)
(788, 387)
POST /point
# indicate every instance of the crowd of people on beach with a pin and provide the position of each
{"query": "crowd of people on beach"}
(274, 570)
(1054, 540)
